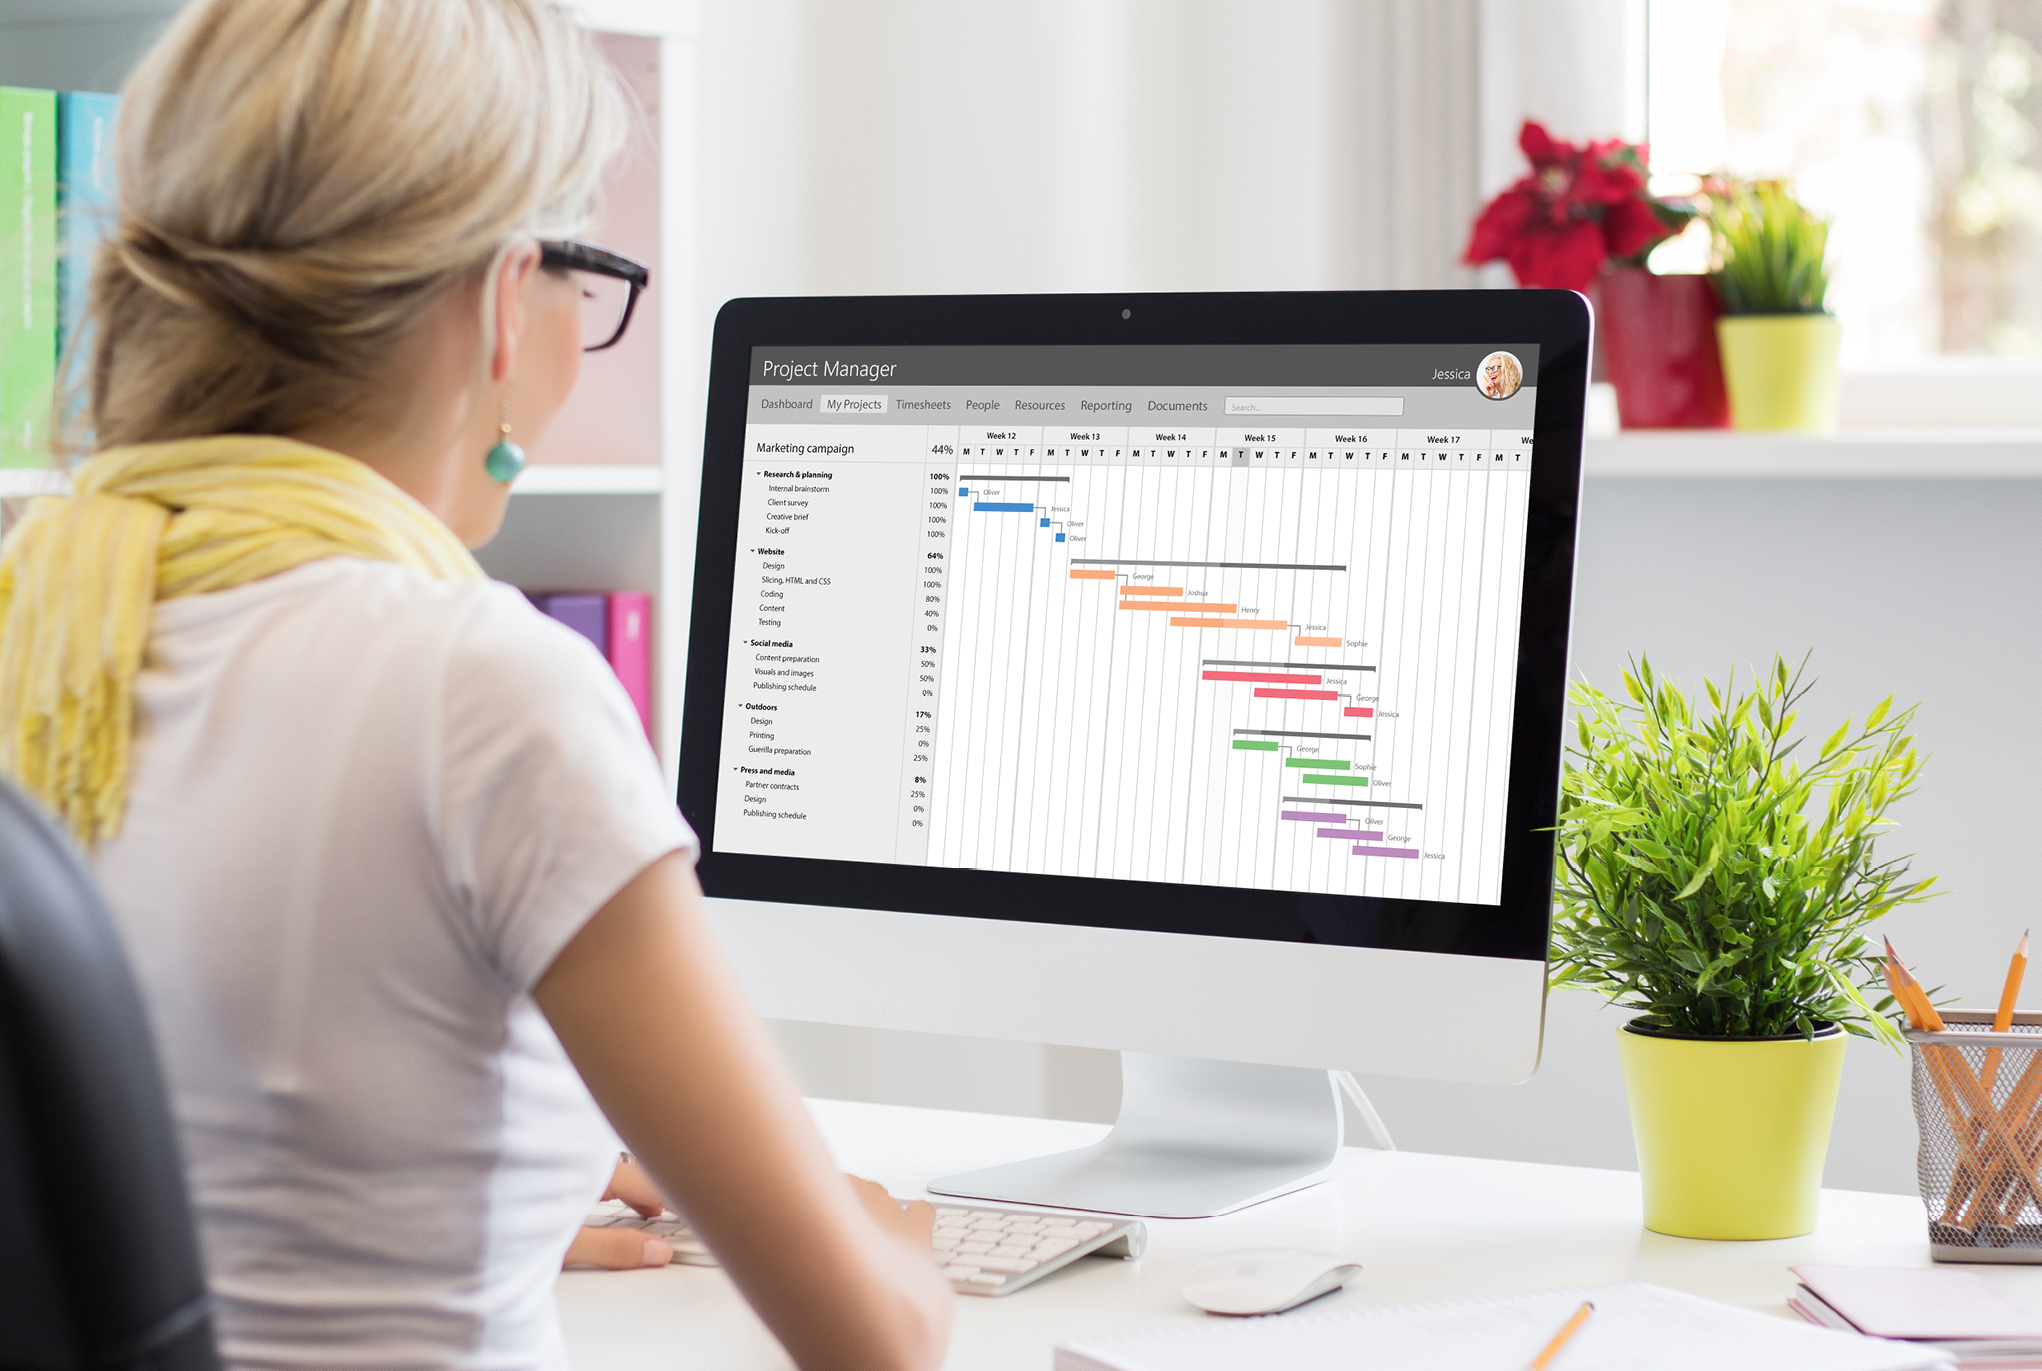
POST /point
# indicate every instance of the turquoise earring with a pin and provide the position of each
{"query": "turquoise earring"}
(504, 461)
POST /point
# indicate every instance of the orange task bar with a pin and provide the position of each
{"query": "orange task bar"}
(1091, 575)
(1152, 590)
(1144, 604)
(1315, 642)
(1228, 623)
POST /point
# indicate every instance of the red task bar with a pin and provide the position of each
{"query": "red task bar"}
(1265, 693)
(1359, 712)
(1273, 677)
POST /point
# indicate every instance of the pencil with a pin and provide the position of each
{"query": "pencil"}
(1992, 1195)
(1891, 967)
(1545, 1358)
(2003, 1020)
(1923, 1008)
(2017, 967)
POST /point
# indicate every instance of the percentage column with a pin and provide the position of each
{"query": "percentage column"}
(925, 669)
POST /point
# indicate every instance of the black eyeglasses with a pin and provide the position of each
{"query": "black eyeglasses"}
(610, 285)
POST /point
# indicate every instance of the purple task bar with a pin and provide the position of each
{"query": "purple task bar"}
(1356, 834)
(1306, 816)
(1385, 851)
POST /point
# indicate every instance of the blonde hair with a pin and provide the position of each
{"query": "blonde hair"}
(1513, 374)
(299, 181)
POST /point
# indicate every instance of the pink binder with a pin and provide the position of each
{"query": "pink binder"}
(631, 649)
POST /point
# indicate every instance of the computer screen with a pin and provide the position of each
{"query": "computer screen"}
(1232, 618)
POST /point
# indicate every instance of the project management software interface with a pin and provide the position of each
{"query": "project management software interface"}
(1096, 611)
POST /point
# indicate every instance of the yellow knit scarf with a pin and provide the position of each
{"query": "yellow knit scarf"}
(80, 574)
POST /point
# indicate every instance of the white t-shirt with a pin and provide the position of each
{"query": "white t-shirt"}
(367, 810)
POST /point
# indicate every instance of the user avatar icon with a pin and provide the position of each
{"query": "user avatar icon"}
(1499, 376)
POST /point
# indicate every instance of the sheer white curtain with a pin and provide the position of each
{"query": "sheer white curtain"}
(914, 145)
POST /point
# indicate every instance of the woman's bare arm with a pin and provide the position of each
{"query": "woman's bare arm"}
(652, 1016)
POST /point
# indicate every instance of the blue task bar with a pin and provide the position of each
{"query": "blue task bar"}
(1059, 537)
(963, 491)
(1045, 523)
(995, 507)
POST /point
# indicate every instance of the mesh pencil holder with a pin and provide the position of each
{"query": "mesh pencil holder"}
(1978, 1105)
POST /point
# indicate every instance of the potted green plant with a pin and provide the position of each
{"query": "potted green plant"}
(1718, 879)
(1777, 339)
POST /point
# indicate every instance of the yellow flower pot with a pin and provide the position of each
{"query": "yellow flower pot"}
(1731, 1132)
(1780, 369)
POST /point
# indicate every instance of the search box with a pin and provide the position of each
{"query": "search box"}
(1330, 406)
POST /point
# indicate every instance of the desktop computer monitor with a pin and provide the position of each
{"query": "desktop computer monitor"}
(1179, 674)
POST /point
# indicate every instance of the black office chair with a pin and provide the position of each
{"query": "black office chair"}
(99, 1263)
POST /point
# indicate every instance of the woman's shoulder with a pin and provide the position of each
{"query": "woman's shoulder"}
(387, 598)
(478, 633)
(343, 588)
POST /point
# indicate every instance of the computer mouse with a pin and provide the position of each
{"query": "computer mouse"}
(1267, 1280)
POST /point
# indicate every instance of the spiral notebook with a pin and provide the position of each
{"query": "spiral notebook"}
(1634, 1326)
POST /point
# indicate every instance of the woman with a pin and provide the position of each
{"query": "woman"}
(1500, 376)
(395, 867)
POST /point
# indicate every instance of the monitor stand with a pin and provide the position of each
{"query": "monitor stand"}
(1194, 1138)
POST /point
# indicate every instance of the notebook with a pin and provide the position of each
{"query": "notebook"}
(1633, 1326)
(1903, 1302)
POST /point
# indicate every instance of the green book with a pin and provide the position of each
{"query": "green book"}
(28, 273)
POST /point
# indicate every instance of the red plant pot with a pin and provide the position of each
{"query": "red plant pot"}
(1658, 336)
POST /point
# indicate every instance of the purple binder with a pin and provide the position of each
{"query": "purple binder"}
(587, 615)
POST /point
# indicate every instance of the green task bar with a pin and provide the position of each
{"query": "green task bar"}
(1252, 745)
(1314, 764)
(1334, 780)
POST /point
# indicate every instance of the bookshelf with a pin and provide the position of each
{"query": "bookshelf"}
(609, 500)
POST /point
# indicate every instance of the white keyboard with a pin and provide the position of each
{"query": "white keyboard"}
(983, 1251)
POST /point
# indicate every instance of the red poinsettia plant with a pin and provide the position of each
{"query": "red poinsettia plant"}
(1583, 206)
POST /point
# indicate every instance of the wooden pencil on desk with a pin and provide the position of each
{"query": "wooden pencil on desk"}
(1560, 1339)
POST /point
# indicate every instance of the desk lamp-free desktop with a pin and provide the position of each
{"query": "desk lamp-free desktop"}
(1177, 674)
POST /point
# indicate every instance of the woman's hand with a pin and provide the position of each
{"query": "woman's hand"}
(628, 1249)
(617, 1249)
(912, 1223)
(630, 1184)
(625, 1249)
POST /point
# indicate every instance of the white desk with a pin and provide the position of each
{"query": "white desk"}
(1426, 1228)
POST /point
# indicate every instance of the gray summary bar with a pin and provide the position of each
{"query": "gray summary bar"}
(1230, 566)
(980, 476)
(1351, 804)
(1301, 666)
(1300, 733)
